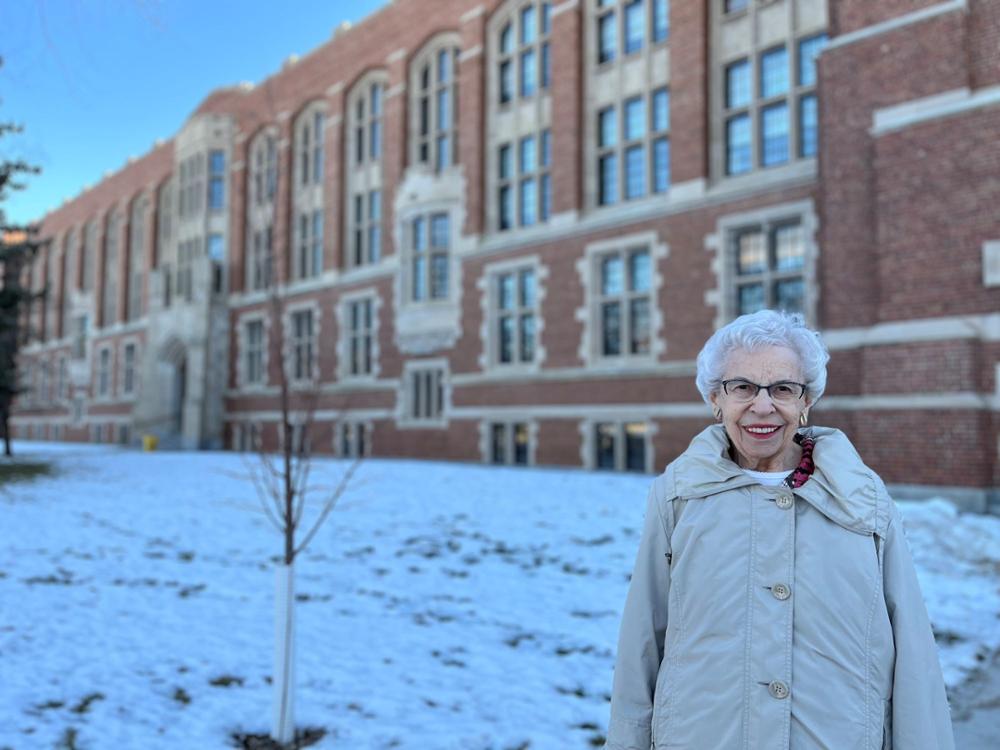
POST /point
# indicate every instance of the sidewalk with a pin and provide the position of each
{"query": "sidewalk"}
(975, 710)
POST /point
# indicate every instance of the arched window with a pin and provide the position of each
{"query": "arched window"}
(262, 187)
(518, 165)
(363, 209)
(109, 278)
(70, 258)
(307, 224)
(89, 256)
(433, 103)
(136, 257)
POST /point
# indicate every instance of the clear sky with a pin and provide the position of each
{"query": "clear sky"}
(97, 81)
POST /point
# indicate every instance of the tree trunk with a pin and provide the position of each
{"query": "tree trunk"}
(283, 688)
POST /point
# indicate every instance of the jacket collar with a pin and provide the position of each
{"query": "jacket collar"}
(841, 487)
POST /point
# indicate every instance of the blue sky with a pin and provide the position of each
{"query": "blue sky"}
(97, 81)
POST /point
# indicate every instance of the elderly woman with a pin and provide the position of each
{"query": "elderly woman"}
(774, 603)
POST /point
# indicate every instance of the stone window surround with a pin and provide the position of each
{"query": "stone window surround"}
(288, 332)
(136, 366)
(241, 349)
(404, 405)
(588, 426)
(718, 115)
(110, 393)
(364, 178)
(727, 226)
(344, 339)
(587, 314)
(611, 84)
(428, 55)
(520, 117)
(486, 437)
(488, 358)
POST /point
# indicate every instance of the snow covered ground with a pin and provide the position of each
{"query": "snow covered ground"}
(442, 606)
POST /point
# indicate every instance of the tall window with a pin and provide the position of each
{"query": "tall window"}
(642, 148)
(104, 373)
(364, 174)
(515, 312)
(769, 263)
(164, 221)
(263, 183)
(360, 330)
(309, 148)
(621, 446)
(509, 443)
(434, 106)
(625, 27)
(187, 251)
(762, 100)
(425, 393)
(80, 331)
(309, 248)
(307, 256)
(136, 258)
(253, 353)
(70, 261)
(524, 185)
(623, 303)
(88, 258)
(264, 169)
(216, 180)
(110, 276)
(128, 369)
(429, 243)
(303, 345)
(190, 190)
(524, 62)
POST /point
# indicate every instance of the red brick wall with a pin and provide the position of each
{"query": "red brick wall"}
(851, 15)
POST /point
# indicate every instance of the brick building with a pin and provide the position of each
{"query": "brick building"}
(501, 231)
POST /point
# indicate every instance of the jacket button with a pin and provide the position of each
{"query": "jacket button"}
(784, 502)
(781, 591)
(778, 689)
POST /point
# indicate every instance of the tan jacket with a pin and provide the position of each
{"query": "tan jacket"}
(760, 618)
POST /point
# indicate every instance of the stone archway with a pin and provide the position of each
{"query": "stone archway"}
(171, 371)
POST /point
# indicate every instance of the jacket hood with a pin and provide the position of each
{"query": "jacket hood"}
(841, 487)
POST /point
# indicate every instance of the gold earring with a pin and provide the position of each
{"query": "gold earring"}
(803, 419)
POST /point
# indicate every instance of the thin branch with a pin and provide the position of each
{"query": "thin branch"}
(330, 504)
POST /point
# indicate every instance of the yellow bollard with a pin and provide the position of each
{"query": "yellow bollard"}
(149, 442)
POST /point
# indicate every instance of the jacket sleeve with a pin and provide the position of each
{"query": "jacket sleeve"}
(920, 715)
(640, 640)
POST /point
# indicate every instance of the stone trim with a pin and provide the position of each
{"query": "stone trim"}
(288, 354)
(344, 335)
(947, 104)
(896, 23)
(488, 359)
(587, 312)
(981, 327)
(242, 386)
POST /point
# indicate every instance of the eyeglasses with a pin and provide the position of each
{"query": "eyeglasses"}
(782, 392)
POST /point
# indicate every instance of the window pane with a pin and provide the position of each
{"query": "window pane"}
(440, 232)
(419, 282)
(774, 134)
(661, 110)
(419, 238)
(607, 134)
(505, 286)
(444, 66)
(528, 28)
(635, 172)
(611, 338)
(498, 441)
(546, 73)
(635, 25)
(635, 119)
(528, 157)
(789, 254)
(528, 73)
(506, 352)
(529, 202)
(443, 152)
(425, 116)
(439, 276)
(545, 209)
(738, 84)
(789, 295)
(375, 204)
(735, 5)
(505, 208)
(808, 50)
(546, 148)
(604, 446)
(504, 166)
(808, 126)
(608, 177)
(639, 326)
(527, 288)
(375, 141)
(661, 165)
(640, 271)
(527, 338)
(751, 253)
(738, 145)
(774, 72)
(635, 446)
(443, 109)
(521, 444)
(611, 276)
(750, 298)
(661, 20)
(506, 39)
(506, 81)
(607, 31)
(546, 18)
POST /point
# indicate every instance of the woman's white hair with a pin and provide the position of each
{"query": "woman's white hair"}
(756, 331)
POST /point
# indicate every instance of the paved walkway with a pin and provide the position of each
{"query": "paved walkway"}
(975, 710)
